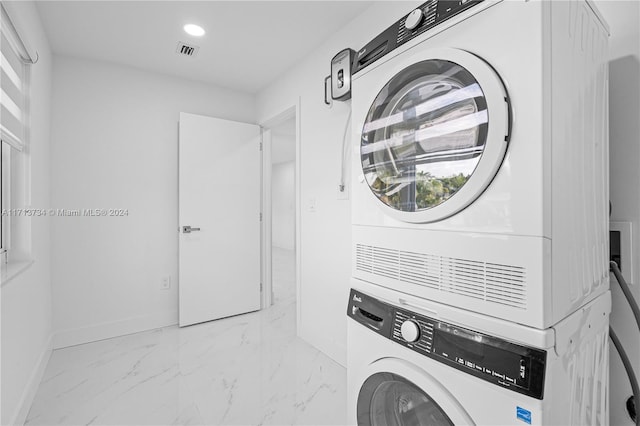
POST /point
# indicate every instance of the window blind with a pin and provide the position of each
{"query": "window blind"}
(12, 87)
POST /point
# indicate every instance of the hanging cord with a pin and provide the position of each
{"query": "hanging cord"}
(616, 342)
(629, 369)
(344, 145)
(627, 291)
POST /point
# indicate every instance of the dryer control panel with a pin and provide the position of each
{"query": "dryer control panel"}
(510, 365)
(419, 20)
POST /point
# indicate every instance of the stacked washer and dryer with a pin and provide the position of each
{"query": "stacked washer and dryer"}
(480, 290)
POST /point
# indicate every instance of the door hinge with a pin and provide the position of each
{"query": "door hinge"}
(260, 145)
(260, 286)
(260, 217)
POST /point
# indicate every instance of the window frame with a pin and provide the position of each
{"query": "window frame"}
(5, 199)
(15, 170)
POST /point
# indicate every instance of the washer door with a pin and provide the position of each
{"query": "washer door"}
(387, 399)
(435, 136)
(396, 393)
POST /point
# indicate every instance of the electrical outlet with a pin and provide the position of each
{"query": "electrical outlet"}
(312, 205)
(621, 247)
(165, 283)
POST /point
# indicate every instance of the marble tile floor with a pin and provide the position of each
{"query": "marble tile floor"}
(245, 370)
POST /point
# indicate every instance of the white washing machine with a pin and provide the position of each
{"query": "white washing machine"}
(480, 170)
(414, 362)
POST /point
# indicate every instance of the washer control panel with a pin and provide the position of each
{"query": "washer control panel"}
(506, 364)
(428, 15)
(416, 22)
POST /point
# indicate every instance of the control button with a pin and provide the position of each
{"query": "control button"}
(413, 19)
(410, 331)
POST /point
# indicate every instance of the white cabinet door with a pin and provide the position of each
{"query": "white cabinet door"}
(219, 198)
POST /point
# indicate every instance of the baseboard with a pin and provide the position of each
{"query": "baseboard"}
(108, 330)
(29, 392)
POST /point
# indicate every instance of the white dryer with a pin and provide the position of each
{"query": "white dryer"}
(414, 362)
(480, 170)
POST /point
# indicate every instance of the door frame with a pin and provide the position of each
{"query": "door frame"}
(292, 111)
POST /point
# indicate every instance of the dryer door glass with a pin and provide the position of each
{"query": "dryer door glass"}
(424, 135)
(387, 399)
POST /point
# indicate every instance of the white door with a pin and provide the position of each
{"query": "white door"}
(219, 199)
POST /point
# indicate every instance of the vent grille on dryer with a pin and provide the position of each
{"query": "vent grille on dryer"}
(502, 284)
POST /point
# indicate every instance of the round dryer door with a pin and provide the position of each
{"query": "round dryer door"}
(395, 392)
(435, 136)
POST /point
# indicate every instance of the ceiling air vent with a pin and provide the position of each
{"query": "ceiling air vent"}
(186, 49)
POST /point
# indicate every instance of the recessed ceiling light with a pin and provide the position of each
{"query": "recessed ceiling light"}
(194, 30)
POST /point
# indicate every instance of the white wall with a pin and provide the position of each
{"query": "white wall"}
(325, 233)
(115, 145)
(624, 121)
(283, 213)
(26, 299)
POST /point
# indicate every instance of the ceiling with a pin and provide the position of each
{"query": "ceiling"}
(247, 44)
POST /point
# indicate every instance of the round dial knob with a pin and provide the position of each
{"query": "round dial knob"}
(410, 331)
(413, 19)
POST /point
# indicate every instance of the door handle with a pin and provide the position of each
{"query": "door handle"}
(188, 229)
